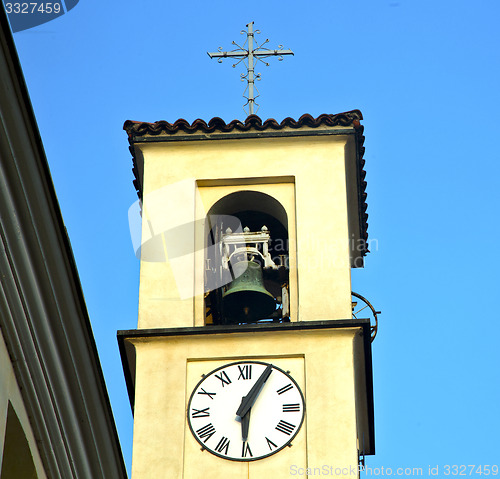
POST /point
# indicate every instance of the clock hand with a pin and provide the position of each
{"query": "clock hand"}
(245, 424)
(248, 401)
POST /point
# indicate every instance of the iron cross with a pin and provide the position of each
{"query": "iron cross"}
(252, 55)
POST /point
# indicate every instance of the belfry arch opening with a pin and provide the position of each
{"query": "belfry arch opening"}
(252, 226)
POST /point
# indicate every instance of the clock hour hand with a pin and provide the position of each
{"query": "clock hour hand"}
(245, 423)
(248, 401)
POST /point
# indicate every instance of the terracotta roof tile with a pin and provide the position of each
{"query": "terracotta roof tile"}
(136, 128)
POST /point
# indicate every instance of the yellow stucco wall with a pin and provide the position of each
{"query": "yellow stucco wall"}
(168, 368)
(9, 392)
(315, 200)
(314, 180)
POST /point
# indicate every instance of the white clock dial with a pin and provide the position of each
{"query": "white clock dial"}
(246, 410)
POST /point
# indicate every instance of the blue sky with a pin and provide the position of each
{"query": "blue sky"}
(425, 74)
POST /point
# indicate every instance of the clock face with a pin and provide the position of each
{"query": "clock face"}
(246, 410)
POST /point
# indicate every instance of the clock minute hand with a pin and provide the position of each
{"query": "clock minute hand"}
(248, 401)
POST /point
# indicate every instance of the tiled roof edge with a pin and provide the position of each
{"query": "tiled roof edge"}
(136, 128)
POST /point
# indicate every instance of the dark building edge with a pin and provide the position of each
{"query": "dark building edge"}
(112, 464)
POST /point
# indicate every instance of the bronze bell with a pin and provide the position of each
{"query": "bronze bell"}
(246, 299)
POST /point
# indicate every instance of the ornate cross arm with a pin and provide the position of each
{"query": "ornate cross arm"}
(250, 54)
(266, 52)
(259, 53)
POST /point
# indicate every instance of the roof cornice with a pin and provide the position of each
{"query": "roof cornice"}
(136, 129)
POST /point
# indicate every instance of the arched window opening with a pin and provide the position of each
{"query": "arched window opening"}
(247, 260)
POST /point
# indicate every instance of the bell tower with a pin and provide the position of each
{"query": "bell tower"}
(247, 359)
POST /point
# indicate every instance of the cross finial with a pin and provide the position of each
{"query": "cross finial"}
(252, 54)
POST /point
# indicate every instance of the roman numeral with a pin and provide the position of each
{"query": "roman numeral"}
(207, 394)
(206, 431)
(271, 444)
(246, 450)
(284, 389)
(223, 445)
(224, 378)
(291, 407)
(245, 371)
(285, 427)
(200, 412)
